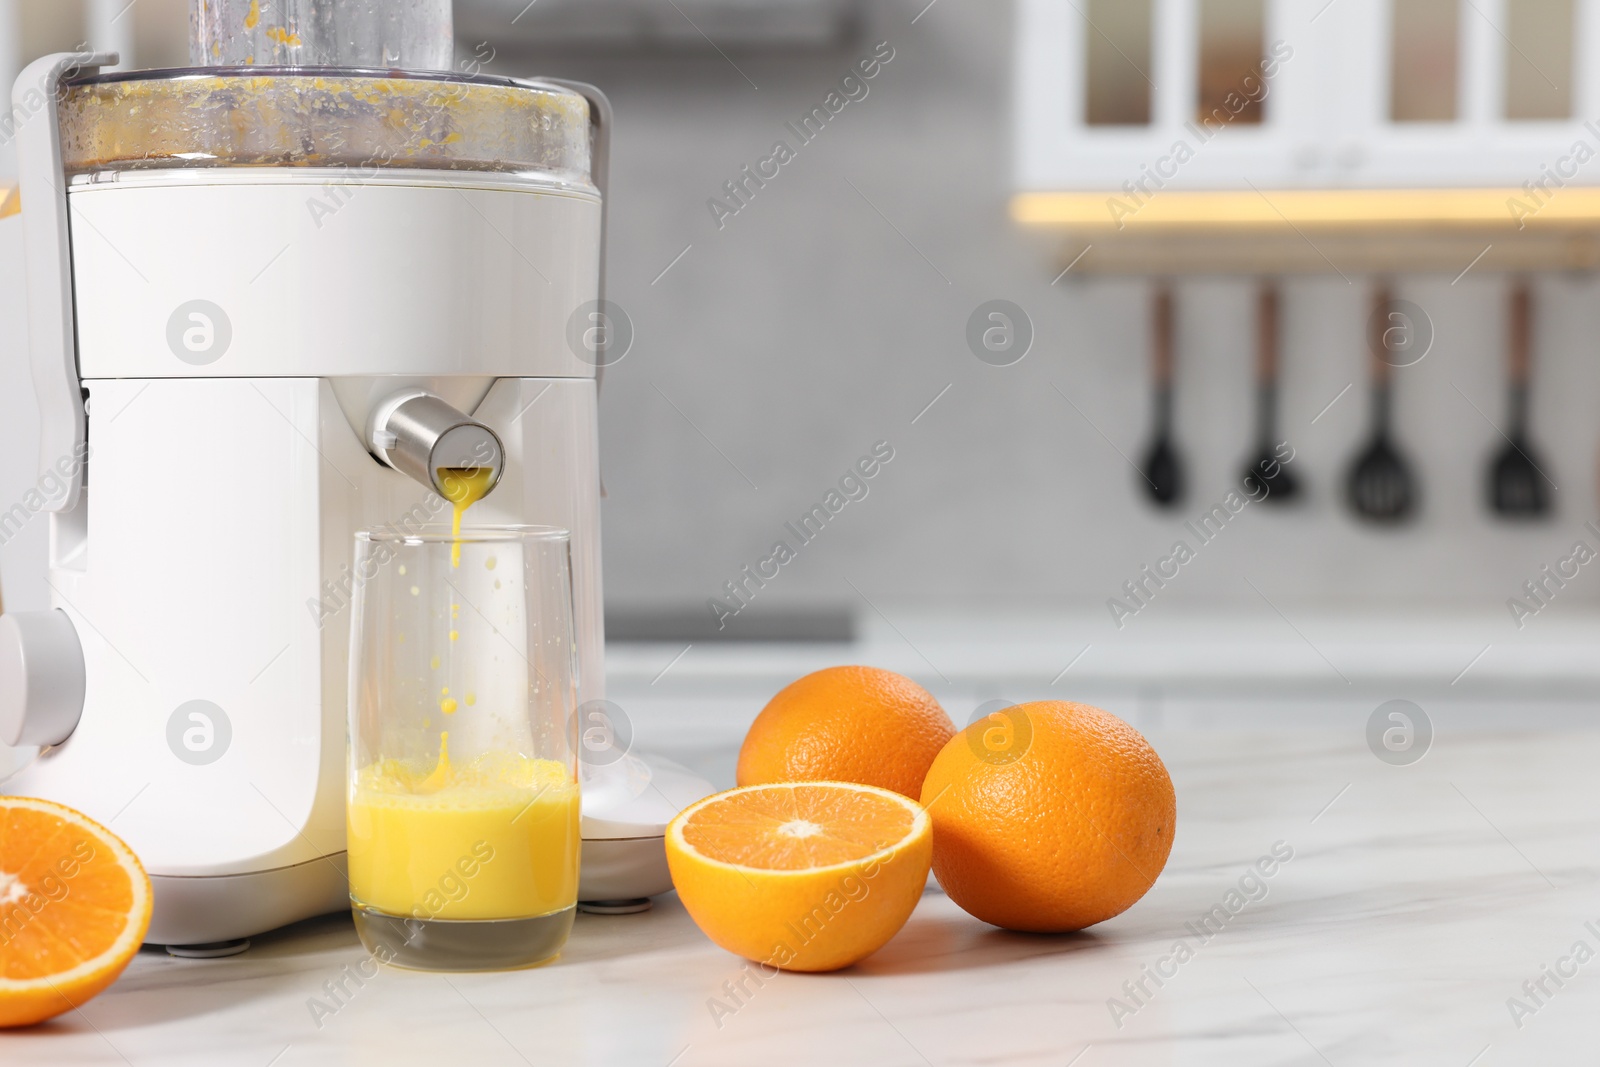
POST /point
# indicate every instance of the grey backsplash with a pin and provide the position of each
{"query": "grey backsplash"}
(828, 313)
(830, 310)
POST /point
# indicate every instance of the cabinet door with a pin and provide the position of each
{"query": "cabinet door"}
(1515, 111)
(1133, 97)
(1360, 94)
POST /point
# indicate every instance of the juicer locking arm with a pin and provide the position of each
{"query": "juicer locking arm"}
(42, 678)
(52, 338)
(420, 435)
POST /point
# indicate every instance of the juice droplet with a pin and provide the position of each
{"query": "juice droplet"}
(472, 698)
(435, 663)
(491, 563)
(402, 568)
(455, 634)
(448, 706)
(497, 583)
(415, 591)
(445, 691)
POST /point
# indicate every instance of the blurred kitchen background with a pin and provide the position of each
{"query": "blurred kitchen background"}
(774, 347)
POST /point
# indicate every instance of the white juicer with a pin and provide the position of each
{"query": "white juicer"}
(263, 306)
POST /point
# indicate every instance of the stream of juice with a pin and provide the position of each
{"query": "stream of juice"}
(463, 487)
(496, 837)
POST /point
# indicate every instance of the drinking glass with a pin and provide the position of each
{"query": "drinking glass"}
(463, 795)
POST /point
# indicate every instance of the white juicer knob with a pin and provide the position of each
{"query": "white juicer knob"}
(41, 678)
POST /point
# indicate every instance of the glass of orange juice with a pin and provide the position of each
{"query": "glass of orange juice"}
(463, 794)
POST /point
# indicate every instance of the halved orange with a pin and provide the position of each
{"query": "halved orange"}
(802, 876)
(74, 908)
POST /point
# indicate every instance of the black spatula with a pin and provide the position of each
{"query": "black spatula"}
(1381, 487)
(1162, 466)
(1518, 488)
(1266, 468)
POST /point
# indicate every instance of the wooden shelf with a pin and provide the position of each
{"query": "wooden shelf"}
(1505, 211)
(1397, 251)
(1343, 231)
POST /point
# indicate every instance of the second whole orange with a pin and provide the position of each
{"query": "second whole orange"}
(1049, 817)
(847, 724)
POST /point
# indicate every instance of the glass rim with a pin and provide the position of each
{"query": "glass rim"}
(443, 534)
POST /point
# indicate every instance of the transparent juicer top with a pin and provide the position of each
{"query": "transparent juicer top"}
(358, 84)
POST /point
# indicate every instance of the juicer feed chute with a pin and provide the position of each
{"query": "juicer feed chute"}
(404, 34)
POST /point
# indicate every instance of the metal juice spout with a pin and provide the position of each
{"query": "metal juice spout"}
(423, 437)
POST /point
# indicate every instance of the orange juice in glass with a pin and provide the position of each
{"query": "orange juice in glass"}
(463, 797)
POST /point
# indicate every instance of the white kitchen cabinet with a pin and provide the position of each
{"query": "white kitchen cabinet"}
(1328, 148)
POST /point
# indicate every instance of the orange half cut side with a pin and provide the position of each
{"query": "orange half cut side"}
(74, 908)
(807, 876)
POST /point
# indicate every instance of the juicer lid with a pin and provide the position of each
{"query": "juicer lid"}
(324, 117)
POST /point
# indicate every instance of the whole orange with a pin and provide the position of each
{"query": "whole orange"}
(1049, 816)
(847, 724)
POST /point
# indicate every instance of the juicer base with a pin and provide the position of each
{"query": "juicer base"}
(626, 868)
(615, 907)
(204, 910)
(214, 950)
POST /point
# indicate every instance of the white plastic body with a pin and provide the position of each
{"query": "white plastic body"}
(1326, 114)
(208, 556)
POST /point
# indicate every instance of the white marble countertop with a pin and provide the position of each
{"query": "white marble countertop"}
(1418, 901)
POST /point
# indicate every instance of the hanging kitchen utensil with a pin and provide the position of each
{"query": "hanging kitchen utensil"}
(1162, 467)
(1518, 488)
(1267, 469)
(1381, 487)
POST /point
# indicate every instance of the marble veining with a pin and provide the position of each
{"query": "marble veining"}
(1422, 918)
